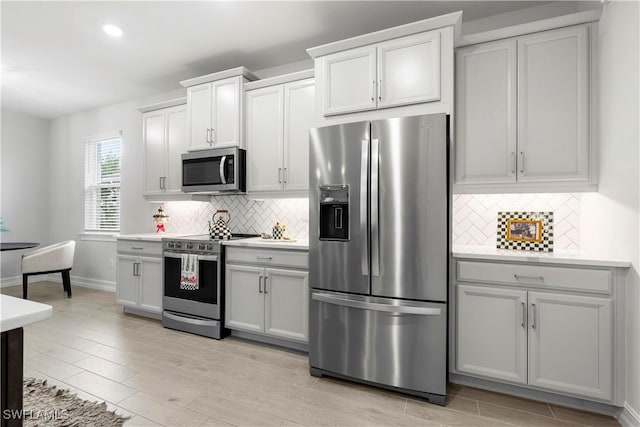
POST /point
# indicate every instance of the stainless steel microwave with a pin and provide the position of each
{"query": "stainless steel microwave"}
(217, 170)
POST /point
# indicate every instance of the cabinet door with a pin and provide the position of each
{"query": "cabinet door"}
(176, 133)
(244, 299)
(492, 332)
(349, 81)
(486, 78)
(570, 344)
(409, 70)
(226, 112)
(264, 139)
(150, 284)
(286, 304)
(299, 117)
(553, 105)
(199, 105)
(153, 136)
(127, 284)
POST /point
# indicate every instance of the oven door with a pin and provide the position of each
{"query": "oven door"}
(204, 301)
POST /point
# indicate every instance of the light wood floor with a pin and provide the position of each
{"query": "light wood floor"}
(162, 377)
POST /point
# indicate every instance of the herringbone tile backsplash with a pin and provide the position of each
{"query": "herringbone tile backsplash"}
(247, 215)
(475, 216)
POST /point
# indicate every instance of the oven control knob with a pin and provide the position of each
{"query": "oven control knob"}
(178, 245)
(189, 245)
(209, 247)
(202, 246)
(170, 244)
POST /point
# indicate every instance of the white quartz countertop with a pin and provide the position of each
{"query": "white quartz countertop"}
(258, 242)
(557, 257)
(16, 312)
(150, 237)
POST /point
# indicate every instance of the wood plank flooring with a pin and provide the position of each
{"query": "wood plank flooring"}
(159, 376)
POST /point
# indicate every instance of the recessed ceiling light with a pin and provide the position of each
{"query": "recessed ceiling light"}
(112, 30)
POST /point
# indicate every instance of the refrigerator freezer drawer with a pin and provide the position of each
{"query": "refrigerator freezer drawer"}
(392, 343)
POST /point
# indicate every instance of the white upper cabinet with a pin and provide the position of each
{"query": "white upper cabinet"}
(350, 81)
(214, 114)
(278, 119)
(164, 139)
(523, 114)
(397, 72)
(486, 113)
(214, 109)
(265, 111)
(553, 105)
(409, 70)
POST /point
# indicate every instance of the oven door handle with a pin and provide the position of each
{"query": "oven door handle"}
(190, 320)
(200, 257)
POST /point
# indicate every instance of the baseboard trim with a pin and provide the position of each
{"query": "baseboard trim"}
(8, 282)
(85, 282)
(629, 417)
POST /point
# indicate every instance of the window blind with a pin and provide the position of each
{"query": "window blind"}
(102, 185)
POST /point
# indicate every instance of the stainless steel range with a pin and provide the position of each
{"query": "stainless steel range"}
(196, 307)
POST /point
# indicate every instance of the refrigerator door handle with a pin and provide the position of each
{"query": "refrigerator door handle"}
(375, 225)
(364, 166)
(374, 306)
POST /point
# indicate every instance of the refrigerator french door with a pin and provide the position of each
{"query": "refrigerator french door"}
(378, 253)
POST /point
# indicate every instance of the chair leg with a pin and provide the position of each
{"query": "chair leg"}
(24, 286)
(66, 282)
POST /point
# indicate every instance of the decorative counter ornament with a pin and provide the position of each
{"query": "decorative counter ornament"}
(528, 231)
(161, 219)
(279, 230)
(219, 229)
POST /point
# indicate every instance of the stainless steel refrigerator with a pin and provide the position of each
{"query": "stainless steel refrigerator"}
(378, 250)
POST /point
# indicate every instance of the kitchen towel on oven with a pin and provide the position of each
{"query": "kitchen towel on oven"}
(189, 273)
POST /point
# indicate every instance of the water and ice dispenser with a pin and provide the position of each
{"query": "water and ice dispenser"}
(334, 212)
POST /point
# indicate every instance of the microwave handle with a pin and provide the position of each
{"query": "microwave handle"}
(222, 169)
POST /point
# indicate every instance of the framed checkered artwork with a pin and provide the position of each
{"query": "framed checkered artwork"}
(525, 231)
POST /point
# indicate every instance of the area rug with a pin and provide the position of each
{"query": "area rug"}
(46, 405)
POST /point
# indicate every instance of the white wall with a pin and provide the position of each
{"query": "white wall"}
(95, 260)
(24, 205)
(611, 217)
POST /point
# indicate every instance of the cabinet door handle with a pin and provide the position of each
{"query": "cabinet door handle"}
(533, 316)
(260, 284)
(522, 163)
(208, 135)
(284, 175)
(265, 284)
(373, 91)
(136, 268)
(513, 163)
(213, 136)
(280, 175)
(380, 90)
(524, 314)
(519, 277)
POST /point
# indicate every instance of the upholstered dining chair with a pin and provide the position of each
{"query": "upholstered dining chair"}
(56, 258)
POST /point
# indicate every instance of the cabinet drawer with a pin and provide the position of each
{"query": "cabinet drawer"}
(268, 257)
(139, 247)
(582, 279)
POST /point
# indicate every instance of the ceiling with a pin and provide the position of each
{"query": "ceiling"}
(57, 61)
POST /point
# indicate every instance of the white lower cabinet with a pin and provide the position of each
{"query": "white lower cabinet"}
(269, 301)
(139, 277)
(552, 341)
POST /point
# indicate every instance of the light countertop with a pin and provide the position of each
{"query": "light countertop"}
(16, 312)
(559, 256)
(150, 237)
(257, 242)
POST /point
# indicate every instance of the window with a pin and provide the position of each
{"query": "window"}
(102, 184)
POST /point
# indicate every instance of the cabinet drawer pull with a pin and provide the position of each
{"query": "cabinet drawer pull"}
(268, 258)
(519, 277)
(136, 248)
(524, 314)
